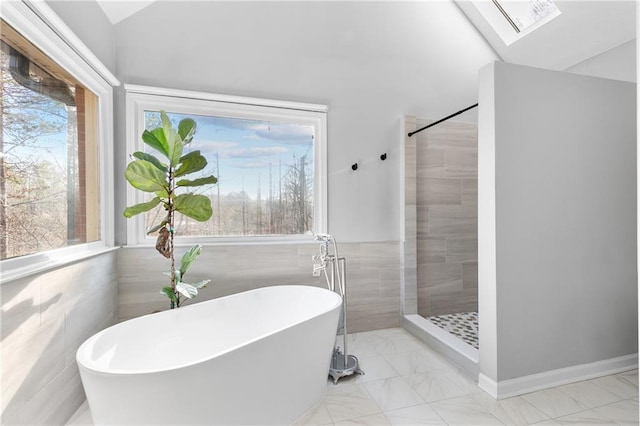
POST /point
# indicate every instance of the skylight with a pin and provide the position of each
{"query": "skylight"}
(522, 14)
(514, 19)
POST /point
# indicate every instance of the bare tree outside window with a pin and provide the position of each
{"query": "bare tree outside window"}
(265, 176)
(42, 153)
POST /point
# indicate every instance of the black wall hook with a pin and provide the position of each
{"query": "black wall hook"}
(383, 156)
(354, 166)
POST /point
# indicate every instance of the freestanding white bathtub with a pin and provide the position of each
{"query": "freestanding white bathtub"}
(259, 357)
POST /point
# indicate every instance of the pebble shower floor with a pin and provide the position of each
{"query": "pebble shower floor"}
(463, 325)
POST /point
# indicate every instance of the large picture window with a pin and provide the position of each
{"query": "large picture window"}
(56, 144)
(268, 157)
(48, 153)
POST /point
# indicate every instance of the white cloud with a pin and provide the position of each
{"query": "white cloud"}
(231, 150)
(284, 133)
(214, 146)
(253, 152)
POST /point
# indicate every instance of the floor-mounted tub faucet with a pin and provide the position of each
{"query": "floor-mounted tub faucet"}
(335, 272)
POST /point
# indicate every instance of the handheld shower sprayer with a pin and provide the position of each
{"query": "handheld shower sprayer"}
(320, 262)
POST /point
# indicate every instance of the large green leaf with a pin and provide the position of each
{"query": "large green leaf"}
(188, 257)
(150, 158)
(167, 291)
(197, 207)
(156, 140)
(141, 208)
(187, 290)
(191, 162)
(158, 226)
(186, 130)
(197, 182)
(174, 142)
(163, 193)
(145, 176)
(201, 284)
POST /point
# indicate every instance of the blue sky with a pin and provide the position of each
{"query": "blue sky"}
(246, 148)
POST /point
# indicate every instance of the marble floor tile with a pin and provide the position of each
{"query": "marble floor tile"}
(398, 343)
(464, 411)
(350, 401)
(630, 376)
(407, 383)
(393, 393)
(435, 385)
(391, 332)
(317, 416)
(512, 411)
(361, 345)
(589, 394)
(622, 412)
(588, 417)
(554, 403)
(82, 417)
(464, 382)
(375, 368)
(413, 362)
(416, 415)
(374, 420)
(618, 385)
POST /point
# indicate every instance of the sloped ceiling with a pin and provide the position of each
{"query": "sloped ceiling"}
(583, 30)
(117, 10)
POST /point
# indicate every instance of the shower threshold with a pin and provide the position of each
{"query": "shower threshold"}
(464, 356)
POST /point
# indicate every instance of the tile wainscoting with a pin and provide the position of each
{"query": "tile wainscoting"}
(373, 276)
(45, 318)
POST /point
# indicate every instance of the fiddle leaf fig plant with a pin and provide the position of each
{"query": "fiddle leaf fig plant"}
(164, 178)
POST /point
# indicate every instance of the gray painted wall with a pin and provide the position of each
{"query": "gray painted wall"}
(384, 68)
(618, 63)
(565, 218)
(87, 20)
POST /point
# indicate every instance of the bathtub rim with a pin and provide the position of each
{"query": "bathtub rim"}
(102, 371)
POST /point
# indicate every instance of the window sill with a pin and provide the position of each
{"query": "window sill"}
(25, 266)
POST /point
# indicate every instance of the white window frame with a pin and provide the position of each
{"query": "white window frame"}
(39, 24)
(144, 98)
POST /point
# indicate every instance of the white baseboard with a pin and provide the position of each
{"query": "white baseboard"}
(562, 376)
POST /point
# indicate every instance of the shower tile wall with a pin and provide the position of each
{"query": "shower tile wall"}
(447, 218)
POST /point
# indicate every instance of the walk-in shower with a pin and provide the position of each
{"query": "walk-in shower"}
(440, 288)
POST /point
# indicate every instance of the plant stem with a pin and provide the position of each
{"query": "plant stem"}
(171, 234)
